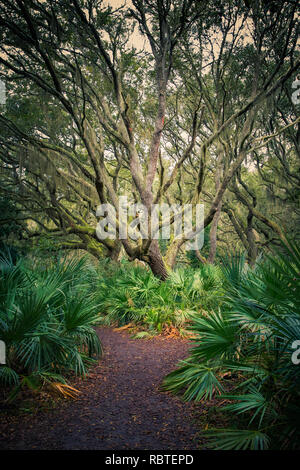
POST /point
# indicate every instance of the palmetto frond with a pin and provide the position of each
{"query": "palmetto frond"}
(47, 316)
(252, 336)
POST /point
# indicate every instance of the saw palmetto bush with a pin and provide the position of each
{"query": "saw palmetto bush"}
(46, 322)
(250, 339)
(126, 295)
(134, 294)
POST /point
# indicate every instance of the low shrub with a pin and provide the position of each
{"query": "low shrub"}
(250, 338)
(47, 314)
(134, 294)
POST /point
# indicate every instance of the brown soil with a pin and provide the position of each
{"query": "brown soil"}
(120, 405)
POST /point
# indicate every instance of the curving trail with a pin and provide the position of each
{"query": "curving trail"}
(120, 405)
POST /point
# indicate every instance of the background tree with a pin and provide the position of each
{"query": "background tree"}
(174, 122)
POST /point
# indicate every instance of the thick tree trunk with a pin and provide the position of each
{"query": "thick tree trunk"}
(155, 261)
(99, 250)
(172, 252)
(115, 252)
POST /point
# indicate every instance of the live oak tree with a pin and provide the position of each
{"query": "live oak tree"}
(227, 61)
(263, 202)
(90, 118)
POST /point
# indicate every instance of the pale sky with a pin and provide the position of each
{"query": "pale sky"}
(137, 40)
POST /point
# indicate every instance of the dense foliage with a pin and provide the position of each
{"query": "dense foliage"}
(244, 321)
(47, 315)
(161, 101)
(250, 338)
(134, 294)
